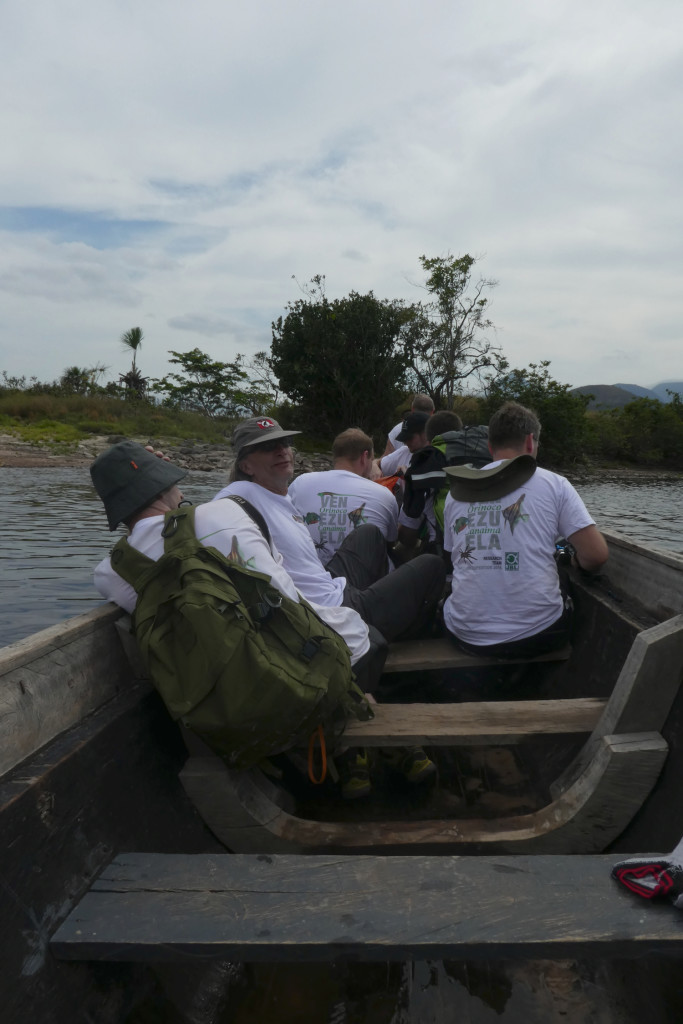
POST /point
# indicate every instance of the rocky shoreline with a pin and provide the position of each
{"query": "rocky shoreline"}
(194, 455)
(200, 456)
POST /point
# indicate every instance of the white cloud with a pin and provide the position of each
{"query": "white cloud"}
(173, 165)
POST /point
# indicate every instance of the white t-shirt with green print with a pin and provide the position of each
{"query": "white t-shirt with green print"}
(505, 581)
(335, 502)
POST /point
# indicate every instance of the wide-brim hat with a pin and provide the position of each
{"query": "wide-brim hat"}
(469, 484)
(255, 431)
(128, 478)
(414, 423)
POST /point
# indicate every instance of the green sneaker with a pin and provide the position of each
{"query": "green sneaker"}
(354, 773)
(412, 762)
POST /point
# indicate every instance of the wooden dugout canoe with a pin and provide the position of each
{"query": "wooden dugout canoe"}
(90, 764)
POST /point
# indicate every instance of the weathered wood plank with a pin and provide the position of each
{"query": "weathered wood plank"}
(50, 681)
(320, 908)
(474, 723)
(51, 639)
(416, 655)
(644, 692)
(651, 576)
(240, 810)
(110, 783)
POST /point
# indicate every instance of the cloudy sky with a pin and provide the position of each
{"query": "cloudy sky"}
(174, 165)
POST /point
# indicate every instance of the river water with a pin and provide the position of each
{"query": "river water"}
(54, 532)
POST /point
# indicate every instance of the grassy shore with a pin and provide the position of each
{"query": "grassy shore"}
(70, 430)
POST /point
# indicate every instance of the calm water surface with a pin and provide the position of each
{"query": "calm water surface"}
(54, 533)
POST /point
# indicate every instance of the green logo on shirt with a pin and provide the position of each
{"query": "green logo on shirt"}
(511, 561)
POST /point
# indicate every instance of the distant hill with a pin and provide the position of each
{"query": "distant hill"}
(660, 390)
(605, 396)
(638, 392)
(615, 396)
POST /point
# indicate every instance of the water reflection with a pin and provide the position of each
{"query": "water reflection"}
(54, 533)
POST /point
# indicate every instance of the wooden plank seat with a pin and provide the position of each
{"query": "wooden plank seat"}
(316, 908)
(474, 723)
(415, 655)
(591, 803)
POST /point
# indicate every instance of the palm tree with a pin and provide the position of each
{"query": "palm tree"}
(132, 339)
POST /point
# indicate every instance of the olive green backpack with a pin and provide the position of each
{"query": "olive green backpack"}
(245, 667)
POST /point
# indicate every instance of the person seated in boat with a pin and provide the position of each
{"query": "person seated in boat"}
(419, 403)
(501, 524)
(417, 519)
(410, 438)
(395, 604)
(336, 502)
(138, 487)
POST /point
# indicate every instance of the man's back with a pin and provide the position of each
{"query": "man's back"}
(336, 502)
(505, 581)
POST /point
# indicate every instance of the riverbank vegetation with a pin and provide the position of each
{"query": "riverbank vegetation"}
(350, 361)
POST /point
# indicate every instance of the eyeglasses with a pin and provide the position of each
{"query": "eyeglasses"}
(272, 446)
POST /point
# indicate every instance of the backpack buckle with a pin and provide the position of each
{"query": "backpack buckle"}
(171, 525)
(310, 648)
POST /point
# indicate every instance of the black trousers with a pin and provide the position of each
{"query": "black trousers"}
(399, 604)
(551, 638)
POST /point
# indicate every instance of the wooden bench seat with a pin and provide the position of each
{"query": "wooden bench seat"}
(474, 723)
(173, 907)
(414, 655)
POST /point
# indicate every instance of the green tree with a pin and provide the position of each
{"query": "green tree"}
(565, 431)
(78, 380)
(204, 385)
(648, 432)
(341, 361)
(133, 383)
(447, 342)
(132, 340)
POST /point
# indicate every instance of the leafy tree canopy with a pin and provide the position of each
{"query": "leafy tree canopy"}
(341, 360)
(447, 341)
(564, 427)
(203, 385)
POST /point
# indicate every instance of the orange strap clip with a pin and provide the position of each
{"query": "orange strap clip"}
(323, 756)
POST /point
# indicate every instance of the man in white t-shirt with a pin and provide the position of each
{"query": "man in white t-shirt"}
(501, 524)
(137, 489)
(391, 604)
(336, 502)
(394, 604)
(420, 403)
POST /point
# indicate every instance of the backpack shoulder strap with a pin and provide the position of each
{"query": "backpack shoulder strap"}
(129, 563)
(179, 527)
(253, 514)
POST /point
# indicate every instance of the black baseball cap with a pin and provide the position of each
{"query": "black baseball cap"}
(414, 423)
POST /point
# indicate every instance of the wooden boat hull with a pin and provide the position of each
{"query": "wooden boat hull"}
(91, 761)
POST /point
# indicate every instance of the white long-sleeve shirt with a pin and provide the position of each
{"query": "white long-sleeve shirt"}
(225, 526)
